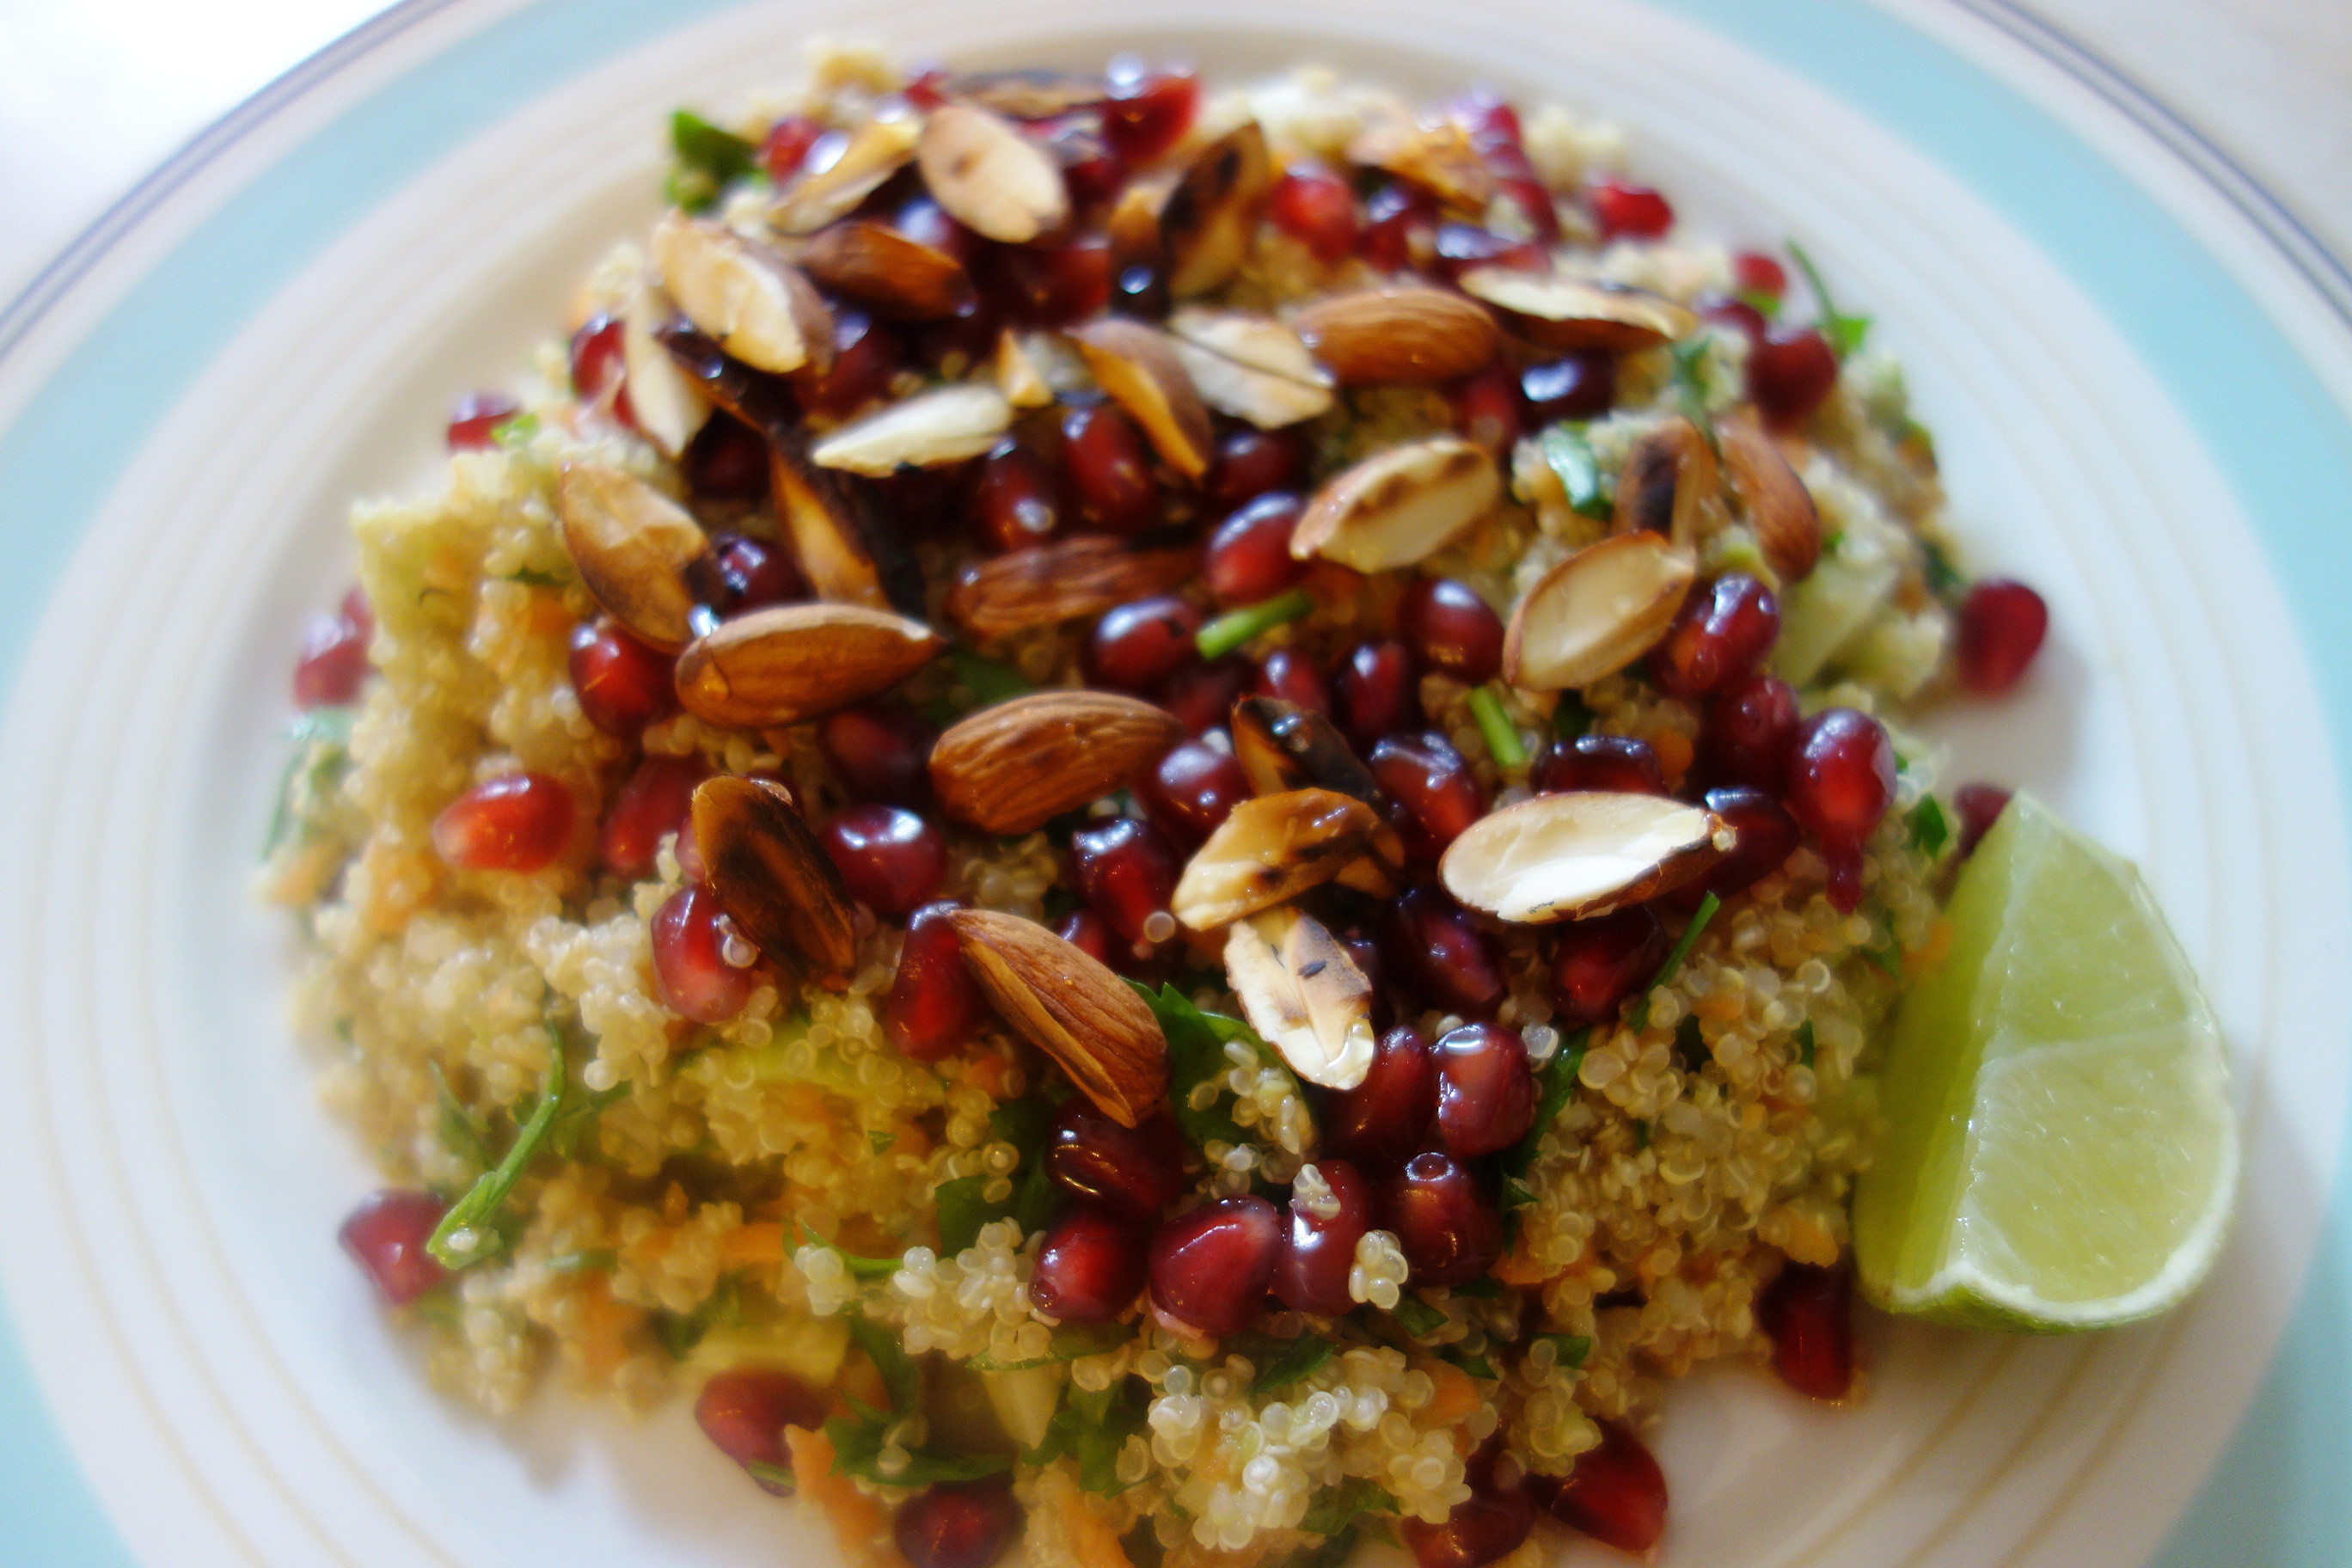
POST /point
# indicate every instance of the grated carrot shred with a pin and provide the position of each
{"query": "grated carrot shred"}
(859, 1523)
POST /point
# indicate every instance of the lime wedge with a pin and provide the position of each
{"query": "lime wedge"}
(2060, 1151)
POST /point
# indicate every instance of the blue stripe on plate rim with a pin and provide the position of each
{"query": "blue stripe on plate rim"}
(2276, 1497)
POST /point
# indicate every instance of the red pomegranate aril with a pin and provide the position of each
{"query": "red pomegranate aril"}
(1432, 795)
(1841, 781)
(1201, 696)
(476, 418)
(1126, 870)
(1581, 386)
(1745, 739)
(1737, 314)
(1533, 202)
(1602, 961)
(1489, 410)
(1092, 169)
(1616, 1494)
(1134, 1171)
(727, 460)
(891, 860)
(1091, 934)
(1249, 463)
(1619, 763)
(1315, 208)
(1248, 557)
(623, 684)
(925, 222)
(866, 356)
(1450, 628)
(786, 146)
(1979, 806)
(1090, 1267)
(1487, 1528)
(1312, 1274)
(1448, 1230)
(964, 337)
(1400, 228)
(1623, 211)
(1291, 675)
(1808, 1314)
(1489, 118)
(1717, 636)
(515, 822)
(1380, 1121)
(880, 751)
(746, 574)
(1790, 373)
(1138, 646)
(744, 1411)
(1108, 469)
(1016, 498)
(333, 665)
(704, 968)
(1210, 1265)
(934, 1005)
(928, 88)
(965, 1524)
(599, 375)
(1766, 834)
(386, 1236)
(1191, 790)
(2002, 624)
(1051, 285)
(1147, 113)
(1486, 1091)
(1376, 691)
(1754, 273)
(1461, 248)
(1431, 948)
(652, 804)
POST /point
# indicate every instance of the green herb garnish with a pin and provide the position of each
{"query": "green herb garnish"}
(1944, 579)
(599, 1261)
(1572, 1348)
(722, 1309)
(1570, 457)
(1502, 739)
(516, 431)
(462, 1131)
(991, 681)
(1281, 1362)
(1571, 717)
(1805, 1042)
(1235, 627)
(1844, 332)
(1930, 830)
(1690, 1043)
(709, 160)
(1683, 944)
(475, 1214)
(777, 1479)
(321, 741)
(1417, 1317)
(860, 1268)
(1196, 1054)
(1690, 357)
(1091, 1428)
(1067, 1345)
(1554, 1085)
(1336, 1508)
(529, 577)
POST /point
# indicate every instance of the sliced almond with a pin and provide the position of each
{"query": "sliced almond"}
(1565, 857)
(1399, 506)
(1406, 333)
(1596, 611)
(1209, 220)
(792, 663)
(1138, 366)
(1439, 158)
(1269, 850)
(669, 407)
(1250, 366)
(1070, 579)
(1283, 746)
(635, 547)
(898, 275)
(1017, 375)
(1304, 995)
(772, 877)
(1781, 509)
(828, 528)
(1072, 1008)
(988, 176)
(743, 296)
(1029, 94)
(1559, 312)
(876, 151)
(1670, 484)
(1015, 766)
(930, 429)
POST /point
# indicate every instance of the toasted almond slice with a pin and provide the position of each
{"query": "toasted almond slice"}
(1257, 342)
(743, 295)
(1029, 94)
(1781, 509)
(1138, 366)
(1250, 366)
(1017, 375)
(1304, 994)
(988, 176)
(1559, 312)
(1407, 333)
(1439, 158)
(634, 548)
(669, 407)
(1670, 484)
(774, 879)
(930, 429)
(1208, 221)
(792, 663)
(1396, 507)
(1064, 581)
(1283, 746)
(876, 149)
(1070, 1007)
(1595, 613)
(1016, 766)
(1565, 857)
(898, 275)
(1269, 850)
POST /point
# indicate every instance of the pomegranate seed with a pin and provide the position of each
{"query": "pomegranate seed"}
(1461, 248)
(1315, 208)
(1736, 314)
(1135, 1172)
(727, 460)
(966, 1524)
(1717, 636)
(1108, 469)
(1490, 1526)
(1616, 1494)
(1400, 228)
(1210, 1265)
(1488, 116)
(1789, 372)
(1753, 273)
(1291, 675)
(1744, 739)
(1376, 692)
(1619, 763)
(334, 661)
(746, 574)
(891, 860)
(1979, 805)
(967, 335)
(623, 684)
(1014, 499)
(476, 417)
(1581, 386)
(1447, 1228)
(866, 356)
(1192, 790)
(2002, 624)
(386, 1236)
(599, 375)
(1251, 462)
(1449, 628)
(927, 88)
(934, 1006)
(1147, 113)
(1534, 204)
(1380, 1121)
(1090, 1268)
(1808, 1314)
(1092, 168)
(744, 1411)
(1624, 211)
(1489, 410)
(650, 807)
(1840, 780)
(1248, 557)
(1126, 870)
(1311, 1274)
(880, 751)
(925, 222)
(703, 966)
(926, 503)
(1432, 795)
(1201, 696)
(1429, 943)
(1768, 836)
(786, 146)
(1602, 961)
(515, 822)
(1052, 285)
(1091, 934)
(1486, 1091)
(1139, 645)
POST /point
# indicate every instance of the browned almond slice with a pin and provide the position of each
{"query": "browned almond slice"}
(1438, 158)
(876, 149)
(1304, 995)
(1398, 506)
(668, 406)
(1017, 375)
(1064, 581)
(742, 296)
(1570, 314)
(1250, 366)
(1406, 333)
(772, 877)
(1258, 342)
(1270, 850)
(1283, 746)
(1781, 509)
(1138, 366)
(930, 429)
(1565, 857)
(1015, 766)
(1070, 1007)
(898, 275)
(1670, 484)
(792, 663)
(988, 176)
(634, 548)
(1596, 611)
(1029, 94)
(1208, 221)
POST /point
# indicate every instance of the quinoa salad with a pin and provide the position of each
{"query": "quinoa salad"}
(1156, 821)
